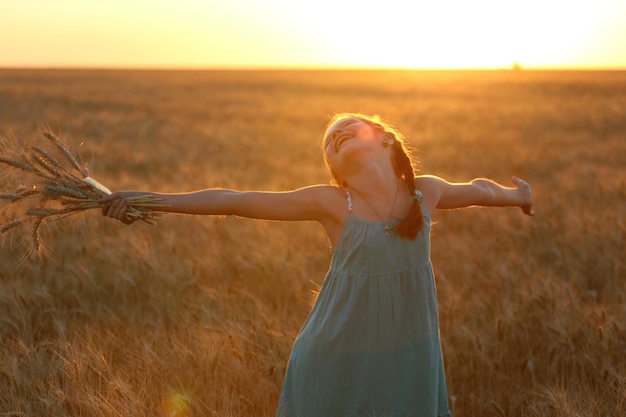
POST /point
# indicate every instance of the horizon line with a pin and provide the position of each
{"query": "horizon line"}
(514, 67)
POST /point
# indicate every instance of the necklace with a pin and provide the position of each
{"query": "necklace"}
(386, 227)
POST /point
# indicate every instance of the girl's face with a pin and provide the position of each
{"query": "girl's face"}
(349, 137)
(344, 131)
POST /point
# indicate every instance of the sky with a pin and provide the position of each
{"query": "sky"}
(312, 34)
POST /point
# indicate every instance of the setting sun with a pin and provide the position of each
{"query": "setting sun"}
(281, 33)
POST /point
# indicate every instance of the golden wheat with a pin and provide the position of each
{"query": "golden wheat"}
(126, 321)
(54, 182)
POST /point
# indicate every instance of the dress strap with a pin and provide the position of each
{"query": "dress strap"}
(417, 195)
(349, 198)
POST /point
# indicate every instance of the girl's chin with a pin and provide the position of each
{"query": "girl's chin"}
(354, 155)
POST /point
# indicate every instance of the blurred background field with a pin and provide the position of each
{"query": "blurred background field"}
(196, 316)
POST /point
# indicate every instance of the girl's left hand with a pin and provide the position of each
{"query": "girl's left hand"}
(525, 196)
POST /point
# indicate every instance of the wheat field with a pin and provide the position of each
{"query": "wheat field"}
(196, 315)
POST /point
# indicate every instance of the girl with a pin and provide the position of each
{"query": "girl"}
(370, 346)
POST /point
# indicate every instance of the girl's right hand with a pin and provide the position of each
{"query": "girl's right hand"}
(115, 205)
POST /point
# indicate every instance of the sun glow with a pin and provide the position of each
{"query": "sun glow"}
(482, 33)
(325, 33)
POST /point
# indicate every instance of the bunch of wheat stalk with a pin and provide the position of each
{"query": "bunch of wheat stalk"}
(50, 182)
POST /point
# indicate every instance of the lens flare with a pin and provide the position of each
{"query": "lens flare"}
(177, 405)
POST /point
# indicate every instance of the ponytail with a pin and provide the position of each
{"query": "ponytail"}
(412, 224)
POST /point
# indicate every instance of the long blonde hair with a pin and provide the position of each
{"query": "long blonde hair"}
(402, 162)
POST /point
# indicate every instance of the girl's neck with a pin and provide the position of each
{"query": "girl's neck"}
(374, 183)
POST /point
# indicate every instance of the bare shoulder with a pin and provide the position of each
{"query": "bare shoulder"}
(428, 182)
(320, 201)
(322, 192)
(431, 187)
(331, 198)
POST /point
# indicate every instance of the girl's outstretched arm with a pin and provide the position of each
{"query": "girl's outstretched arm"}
(310, 203)
(441, 194)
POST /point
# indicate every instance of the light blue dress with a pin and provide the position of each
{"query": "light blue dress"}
(370, 346)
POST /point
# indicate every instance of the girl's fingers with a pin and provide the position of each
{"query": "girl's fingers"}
(109, 203)
(108, 198)
(111, 208)
(525, 189)
(528, 210)
(519, 182)
(115, 206)
(119, 211)
(115, 209)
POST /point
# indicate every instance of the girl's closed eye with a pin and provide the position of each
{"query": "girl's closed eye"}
(337, 131)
